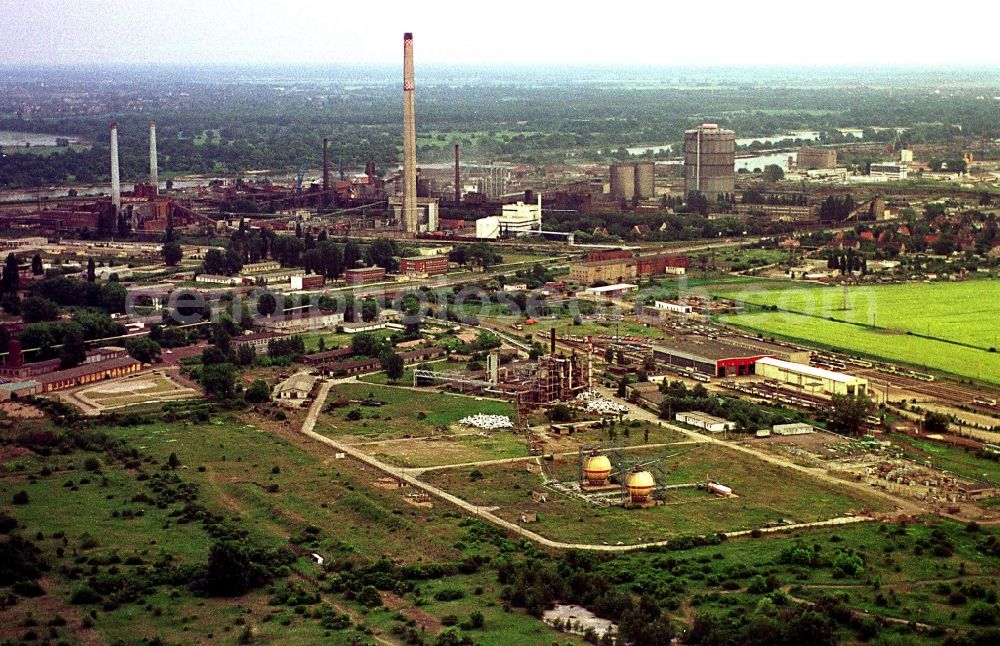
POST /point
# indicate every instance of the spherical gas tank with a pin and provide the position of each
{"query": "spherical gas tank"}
(597, 469)
(639, 485)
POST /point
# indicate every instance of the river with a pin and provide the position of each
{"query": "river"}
(19, 139)
(804, 135)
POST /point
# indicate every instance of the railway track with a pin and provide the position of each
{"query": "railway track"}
(950, 393)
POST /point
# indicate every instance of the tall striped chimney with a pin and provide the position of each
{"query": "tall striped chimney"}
(154, 178)
(458, 178)
(326, 164)
(409, 140)
(116, 187)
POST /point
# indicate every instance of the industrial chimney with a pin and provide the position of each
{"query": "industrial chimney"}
(153, 170)
(116, 187)
(458, 178)
(326, 164)
(409, 211)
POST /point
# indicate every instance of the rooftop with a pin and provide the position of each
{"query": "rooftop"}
(611, 288)
(811, 371)
(704, 347)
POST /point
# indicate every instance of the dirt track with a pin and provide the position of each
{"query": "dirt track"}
(406, 475)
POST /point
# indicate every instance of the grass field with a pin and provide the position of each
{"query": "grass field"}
(135, 390)
(923, 353)
(964, 312)
(404, 413)
(272, 483)
(268, 480)
(569, 518)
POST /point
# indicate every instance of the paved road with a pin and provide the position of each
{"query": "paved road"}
(404, 475)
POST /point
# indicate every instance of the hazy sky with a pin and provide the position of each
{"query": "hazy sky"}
(748, 32)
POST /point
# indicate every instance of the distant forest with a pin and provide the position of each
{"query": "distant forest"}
(226, 127)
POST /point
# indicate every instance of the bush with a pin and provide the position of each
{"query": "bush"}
(84, 594)
(448, 594)
(20, 498)
(258, 392)
(7, 523)
(369, 597)
(92, 464)
(28, 589)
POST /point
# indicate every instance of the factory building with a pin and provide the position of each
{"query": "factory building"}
(364, 275)
(612, 291)
(729, 357)
(302, 323)
(617, 269)
(426, 213)
(709, 161)
(705, 422)
(810, 158)
(516, 219)
(810, 379)
(888, 171)
(14, 367)
(423, 266)
(88, 373)
(257, 340)
(307, 281)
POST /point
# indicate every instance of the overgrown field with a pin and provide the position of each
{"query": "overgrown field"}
(126, 542)
(395, 413)
(766, 494)
(114, 540)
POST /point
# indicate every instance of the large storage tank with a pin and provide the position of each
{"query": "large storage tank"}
(710, 161)
(810, 158)
(645, 179)
(597, 470)
(622, 181)
(639, 485)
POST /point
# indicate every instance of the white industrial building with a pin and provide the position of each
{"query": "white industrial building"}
(676, 308)
(890, 171)
(810, 379)
(515, 219)
(427, 212)
(706, 422)
(610, 291)
(796, 428)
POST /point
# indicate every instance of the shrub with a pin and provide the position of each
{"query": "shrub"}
(7, 523)
(369, 597)
(448, 594)
(20, 498)
(84, 594)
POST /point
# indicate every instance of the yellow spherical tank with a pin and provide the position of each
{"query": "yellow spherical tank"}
(596, 469)
(639, 485)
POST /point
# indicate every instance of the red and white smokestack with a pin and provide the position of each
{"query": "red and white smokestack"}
(154, 175)
(116, 187)
(326, 164)
(409, 211)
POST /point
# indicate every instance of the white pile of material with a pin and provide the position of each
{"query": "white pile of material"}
(595, 404)
(488, 422)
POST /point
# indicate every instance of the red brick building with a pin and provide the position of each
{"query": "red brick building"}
(424, 266)
(364, 275)
(88, 373)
